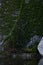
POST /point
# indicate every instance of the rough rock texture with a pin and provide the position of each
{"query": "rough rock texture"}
(40, 47)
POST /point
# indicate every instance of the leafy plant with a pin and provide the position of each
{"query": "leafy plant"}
(19, 20)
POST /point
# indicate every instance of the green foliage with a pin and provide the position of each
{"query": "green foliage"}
(21, 20)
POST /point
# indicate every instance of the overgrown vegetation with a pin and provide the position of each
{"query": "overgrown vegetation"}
(20, 21)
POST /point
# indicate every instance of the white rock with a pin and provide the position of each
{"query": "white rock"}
(1, 43)
(33, 40)
(40, 47)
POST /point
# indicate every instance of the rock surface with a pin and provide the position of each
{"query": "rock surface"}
(33, 40)
(40, 47)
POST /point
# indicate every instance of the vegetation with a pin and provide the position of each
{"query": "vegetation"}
(20, 20)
